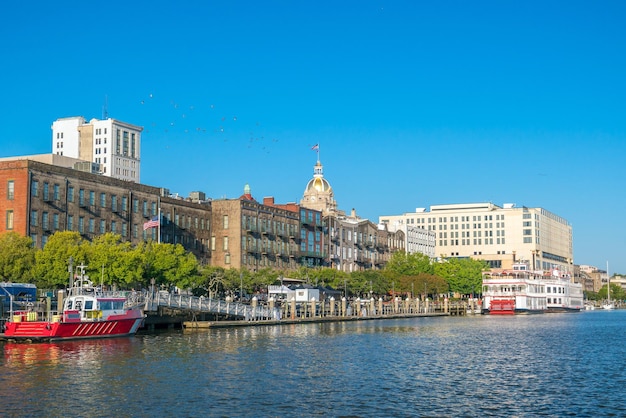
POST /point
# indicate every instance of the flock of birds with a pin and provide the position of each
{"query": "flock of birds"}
(183, 121)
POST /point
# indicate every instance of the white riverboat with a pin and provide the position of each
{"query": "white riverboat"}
(525, 291)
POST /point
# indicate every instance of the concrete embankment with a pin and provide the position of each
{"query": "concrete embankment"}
(195, 325)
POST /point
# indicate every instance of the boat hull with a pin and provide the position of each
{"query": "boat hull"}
(55, 331)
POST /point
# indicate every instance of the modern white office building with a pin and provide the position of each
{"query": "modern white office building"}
(501, 235)
(112, 144)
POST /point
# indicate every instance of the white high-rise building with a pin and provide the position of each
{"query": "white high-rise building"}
(112, 144)
(499, 235)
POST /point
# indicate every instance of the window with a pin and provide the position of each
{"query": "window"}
(135, 230)
(227, 258)
(33, 218)
(70, 194)
(114, 227)
(103, 200)
(124, 203)
(10, 190)
(81, 224)
(124, 228)
(55, 221)
(92, 198)
(45, 224)
(70, 222)
(114, 203)
(135, 205)
(212, 243)
(225, 243)
(154, 208)
(9, 220)
(81, 197)
(55, 193)
(225, 222)
(46, 191)
(34, 188)
(103, 226)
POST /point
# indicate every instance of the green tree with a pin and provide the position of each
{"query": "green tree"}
(368, 283)
(464, 275)
(167, 264)
(211, 282)
(421, 284)
(51, 263)
(617, 293)
(17, 258)
(112, 261)
(402, 264)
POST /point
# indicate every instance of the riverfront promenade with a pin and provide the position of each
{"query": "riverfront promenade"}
(292, 312)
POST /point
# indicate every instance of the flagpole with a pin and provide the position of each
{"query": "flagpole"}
(159, 214)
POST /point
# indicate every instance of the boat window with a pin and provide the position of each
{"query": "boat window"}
(89, 305)
(118, 304)
(78, 305)
(105, 305)
(69, 304)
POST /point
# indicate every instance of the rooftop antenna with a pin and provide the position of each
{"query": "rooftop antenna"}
(105, 110)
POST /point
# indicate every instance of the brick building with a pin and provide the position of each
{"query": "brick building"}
(38, 199)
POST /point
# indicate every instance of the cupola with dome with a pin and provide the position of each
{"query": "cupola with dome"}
(318, 193)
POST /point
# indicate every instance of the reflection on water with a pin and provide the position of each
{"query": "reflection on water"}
(551, 365)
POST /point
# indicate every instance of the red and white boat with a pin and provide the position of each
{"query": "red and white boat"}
(524, 291)
(87, 312)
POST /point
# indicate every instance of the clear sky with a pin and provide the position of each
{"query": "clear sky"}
(413, 103)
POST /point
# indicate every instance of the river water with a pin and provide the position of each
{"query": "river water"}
(522, 366)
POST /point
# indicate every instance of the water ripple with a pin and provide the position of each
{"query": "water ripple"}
(545, 365)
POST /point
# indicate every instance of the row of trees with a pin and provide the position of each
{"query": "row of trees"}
(112, 262)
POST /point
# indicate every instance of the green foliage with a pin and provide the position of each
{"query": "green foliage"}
(421, 284)
(113, 262)
(368, 283)
(51, 268)
(401, 264)
(17, 258)
(167, 264)
(617, 293)
(464, 275)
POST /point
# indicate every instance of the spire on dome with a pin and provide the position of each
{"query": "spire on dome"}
(246, 193)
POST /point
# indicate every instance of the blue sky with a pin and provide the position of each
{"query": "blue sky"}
(413, 103)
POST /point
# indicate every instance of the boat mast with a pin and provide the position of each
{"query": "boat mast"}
(608, 283)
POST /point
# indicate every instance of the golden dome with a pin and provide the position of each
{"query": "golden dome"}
(318, 184)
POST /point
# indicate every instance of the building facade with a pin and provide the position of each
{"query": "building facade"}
(248, 234)
(114, 145)
(499, 235)
(417, 240)
(39, 199)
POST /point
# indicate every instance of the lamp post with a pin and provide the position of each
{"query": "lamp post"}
(241, 287)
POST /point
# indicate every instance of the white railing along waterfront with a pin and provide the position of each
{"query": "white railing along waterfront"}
(276, 310)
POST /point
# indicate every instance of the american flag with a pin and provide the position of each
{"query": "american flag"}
(315, 147)
(152, 223)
